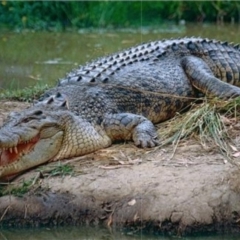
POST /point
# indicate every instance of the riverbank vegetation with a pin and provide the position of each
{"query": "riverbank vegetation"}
(61, 15)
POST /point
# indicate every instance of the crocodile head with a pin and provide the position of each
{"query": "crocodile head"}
(38, 135)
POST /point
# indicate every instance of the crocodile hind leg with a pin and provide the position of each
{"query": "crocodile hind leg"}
(203, 79)
(128, 126)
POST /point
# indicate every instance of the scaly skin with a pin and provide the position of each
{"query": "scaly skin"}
(118, 97)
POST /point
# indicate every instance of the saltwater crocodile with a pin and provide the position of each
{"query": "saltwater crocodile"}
(118, 97)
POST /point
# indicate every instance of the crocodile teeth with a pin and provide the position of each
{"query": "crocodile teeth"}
(16, 150)
(10, 150)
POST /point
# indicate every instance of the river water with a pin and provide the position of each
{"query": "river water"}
(90, 233)
(29, 58)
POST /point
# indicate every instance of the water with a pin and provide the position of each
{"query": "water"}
(29, 58)
(88, 233)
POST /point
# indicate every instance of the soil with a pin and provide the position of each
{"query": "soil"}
(123, 187)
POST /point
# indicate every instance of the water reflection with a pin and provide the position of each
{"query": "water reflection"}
(43, 57)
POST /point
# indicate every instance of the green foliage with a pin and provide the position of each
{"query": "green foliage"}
(59, 15)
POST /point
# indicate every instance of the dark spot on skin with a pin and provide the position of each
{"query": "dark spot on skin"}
(191, 46)
(147, 102)
(236, 46)
(64, 104)
(174, 47)
(117, 56)
(105, 80)
(79, 78)
(157, 48)
(157, 109)
(92, 80)
(58, 94)
(38, 113)
(178, 104)
(229, 76)
(144, 84)
(50, 101)
(99, 120)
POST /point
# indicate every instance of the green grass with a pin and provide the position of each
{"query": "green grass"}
(18, 190)
(27, 94)
(58, 169)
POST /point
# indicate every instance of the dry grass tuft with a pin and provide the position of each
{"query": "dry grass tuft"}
(209, 122)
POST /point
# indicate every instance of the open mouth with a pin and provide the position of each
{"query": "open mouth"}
(12, 154)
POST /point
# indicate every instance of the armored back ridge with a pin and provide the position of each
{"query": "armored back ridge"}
(118, 97)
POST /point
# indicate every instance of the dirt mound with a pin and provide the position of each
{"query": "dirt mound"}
(192, 190)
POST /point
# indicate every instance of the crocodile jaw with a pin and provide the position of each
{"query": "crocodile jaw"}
(41, 134)
(27, 155)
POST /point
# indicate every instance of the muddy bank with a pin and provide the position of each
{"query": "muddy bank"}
(124, 187)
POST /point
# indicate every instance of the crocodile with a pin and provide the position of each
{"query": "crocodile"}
(118, 97)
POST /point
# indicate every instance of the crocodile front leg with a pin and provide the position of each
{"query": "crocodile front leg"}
(127, 126)
(203, 79)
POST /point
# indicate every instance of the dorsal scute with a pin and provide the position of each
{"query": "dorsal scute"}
(103, 67)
